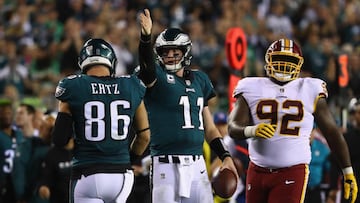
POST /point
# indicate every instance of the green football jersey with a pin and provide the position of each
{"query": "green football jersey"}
(102, 109)
(9, 154)
(38, 153)
(175, 107)
(21, 161)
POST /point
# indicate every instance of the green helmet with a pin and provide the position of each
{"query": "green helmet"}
(173, 38)
(97, 51)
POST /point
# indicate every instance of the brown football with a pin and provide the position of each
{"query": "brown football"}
(239, 166)
(224, 183)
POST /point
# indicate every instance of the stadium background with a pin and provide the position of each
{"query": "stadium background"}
(40, 39)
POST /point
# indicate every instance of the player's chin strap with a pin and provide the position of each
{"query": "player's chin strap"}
(219, 148)
(188, 74)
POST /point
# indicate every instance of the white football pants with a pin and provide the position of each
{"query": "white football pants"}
(180, 182)
(104, 188)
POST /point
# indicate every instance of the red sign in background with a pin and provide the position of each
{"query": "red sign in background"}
(236, 47)
(343, 78)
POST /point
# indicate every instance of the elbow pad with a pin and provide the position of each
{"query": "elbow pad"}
(63, 129)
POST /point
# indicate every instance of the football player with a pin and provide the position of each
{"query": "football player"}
(276, 113)
(101, 108)
(177, 103)
(11, 185)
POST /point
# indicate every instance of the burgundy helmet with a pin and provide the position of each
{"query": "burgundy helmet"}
(283, 60)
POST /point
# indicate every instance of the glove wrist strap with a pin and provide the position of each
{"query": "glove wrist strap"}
(347, 170)
(249, 131)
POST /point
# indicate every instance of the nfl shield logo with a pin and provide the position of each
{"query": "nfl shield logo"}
(170, 79)
(59, 91)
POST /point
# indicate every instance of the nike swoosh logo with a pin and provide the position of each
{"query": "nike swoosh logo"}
(202, 171)
(287, 182)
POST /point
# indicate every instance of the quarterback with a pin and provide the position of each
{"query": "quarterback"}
(276, 113)
(177, 102)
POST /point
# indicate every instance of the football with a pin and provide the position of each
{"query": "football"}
(224, 183)
(239, 166)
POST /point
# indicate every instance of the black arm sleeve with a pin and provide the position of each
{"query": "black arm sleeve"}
(146, 60)
(63, 129)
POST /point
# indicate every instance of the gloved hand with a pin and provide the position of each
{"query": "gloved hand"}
(350, 187)
(263, 130)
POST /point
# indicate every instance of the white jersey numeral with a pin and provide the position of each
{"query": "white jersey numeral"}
(94, 113)
(9, 160)
(184, 101)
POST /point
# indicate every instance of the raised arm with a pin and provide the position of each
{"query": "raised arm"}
(146, 56)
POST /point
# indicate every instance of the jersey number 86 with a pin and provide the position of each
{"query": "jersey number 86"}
(96, 120)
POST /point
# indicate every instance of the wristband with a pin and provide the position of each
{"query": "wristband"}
(227, 154)
(218, 147)
(347, 170)
(249, 131)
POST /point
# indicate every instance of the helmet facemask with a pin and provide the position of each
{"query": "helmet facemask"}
(283, 63)
(182, 61)
(283, 67)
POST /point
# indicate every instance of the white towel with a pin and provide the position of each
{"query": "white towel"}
(185, 169)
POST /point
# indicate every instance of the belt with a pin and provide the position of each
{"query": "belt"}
(274, 170)
(175, 158)
(91, 169)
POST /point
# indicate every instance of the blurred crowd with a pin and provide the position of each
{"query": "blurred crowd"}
(40, 39)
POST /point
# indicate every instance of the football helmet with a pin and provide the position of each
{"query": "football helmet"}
(283, 60)
(97, 51)
(173, 38)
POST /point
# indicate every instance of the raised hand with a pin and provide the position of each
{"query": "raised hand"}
(145, 22)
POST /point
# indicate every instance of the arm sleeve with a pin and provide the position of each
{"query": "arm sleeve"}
(146, 60)
(63, 129)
